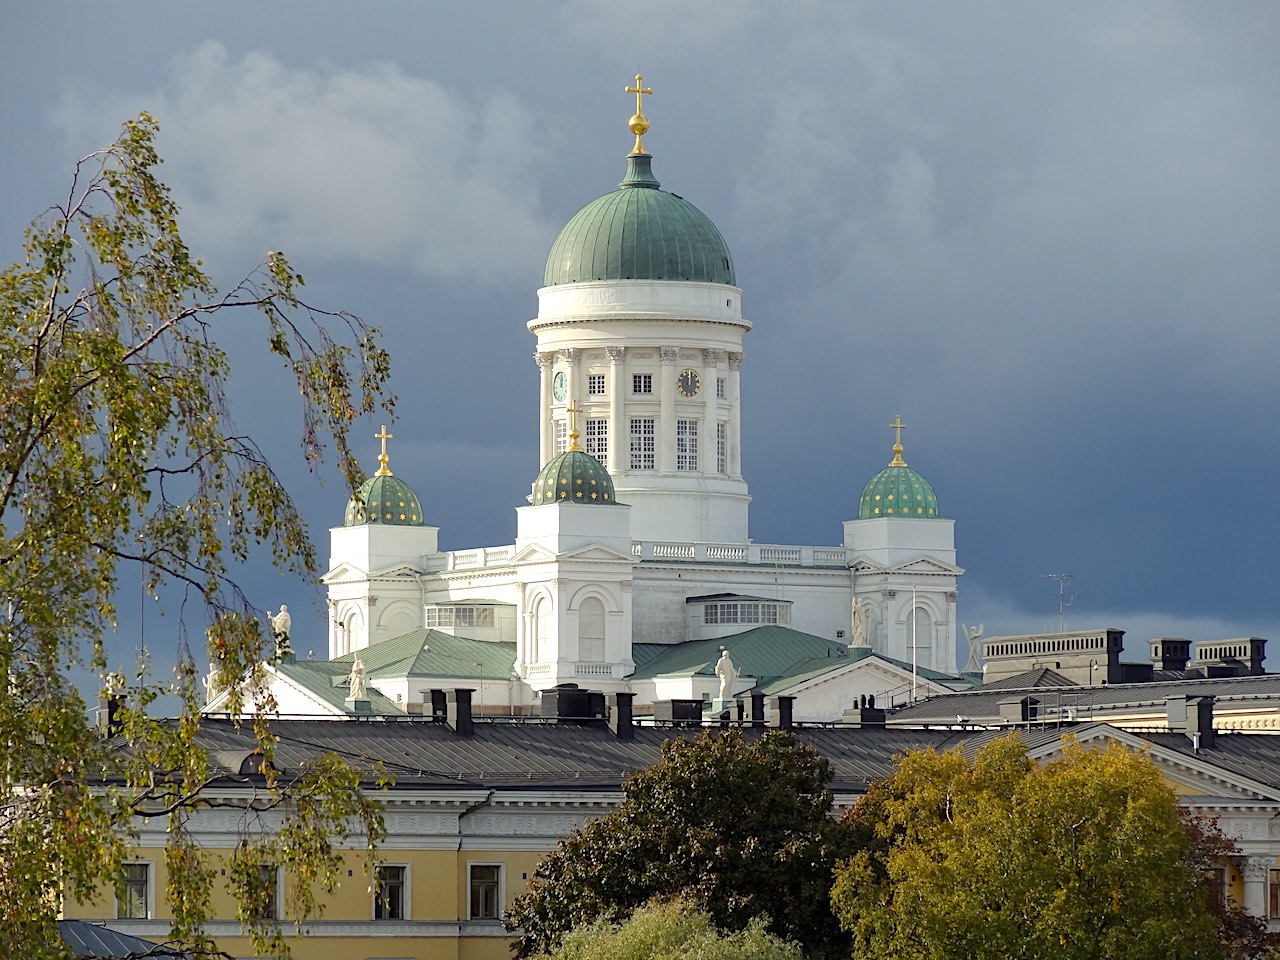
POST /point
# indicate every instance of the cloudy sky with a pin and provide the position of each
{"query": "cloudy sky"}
(1047, 235)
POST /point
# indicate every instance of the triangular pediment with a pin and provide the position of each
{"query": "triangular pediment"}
(344, 572)
(883, 672)
(533, 553)
(590, 553)
(861, 564)
(927, 565)
(399, 571)
(1191, 774)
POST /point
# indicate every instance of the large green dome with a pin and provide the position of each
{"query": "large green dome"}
(897, 490)
(639, 232)
(386, 499)
(573, 477)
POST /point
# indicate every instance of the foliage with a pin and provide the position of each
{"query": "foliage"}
(741, 829)
(1084, 856)
(672, 930)
(117, 448)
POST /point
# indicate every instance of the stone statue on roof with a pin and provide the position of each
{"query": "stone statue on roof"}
(280, 624)
(727, 673)
(358, 681)
(861, 622)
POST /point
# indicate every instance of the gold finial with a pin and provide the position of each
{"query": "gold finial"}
(639, 124)
(573, 410)
(383, 459)
(899, 426)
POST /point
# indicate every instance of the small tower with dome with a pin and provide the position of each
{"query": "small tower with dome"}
(384, 534)
(574, 564)
(903, 560)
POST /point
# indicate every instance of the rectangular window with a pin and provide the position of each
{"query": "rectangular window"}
(561, 436)
(598, 440)
(642, 383)
(719, 388)
(686, 444)
(266, 905)
(642, 444)
(595, 384)
(722, 447)
(389, 893)
(135, 896)
(1215, 879)
(486, 891)
(1273, 894)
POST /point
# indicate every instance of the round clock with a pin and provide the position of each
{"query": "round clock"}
(559, 386)
(688, 383)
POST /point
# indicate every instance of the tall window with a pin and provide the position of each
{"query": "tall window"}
(722, 447)
(642, 383)
(598, 440)
(561, 435)
(595, 384)
(266, 903)
(486, 891)
(686, 444)
(591, 630)
(642, 444)
(389, 893)
(541, 630)
(1273, 894)
(135, 896)
(920, 625)
(719, 388)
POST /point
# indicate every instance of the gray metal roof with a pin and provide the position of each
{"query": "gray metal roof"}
(93, 940)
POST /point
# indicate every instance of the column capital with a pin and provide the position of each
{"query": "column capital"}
(570, 354)
(1257, 867)
(669, 354)
(615, 353)
(544, 358)
(735, 361)
(712, 358)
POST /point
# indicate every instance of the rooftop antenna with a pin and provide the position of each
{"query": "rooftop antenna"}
(1064, 601)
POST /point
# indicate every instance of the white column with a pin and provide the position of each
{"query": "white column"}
(617, 426)
(572, 357)
(710, 410)
(666, 426)
(734, 395)
(546, 435)
(1256, 874)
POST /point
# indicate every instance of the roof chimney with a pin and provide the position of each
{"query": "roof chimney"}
(437, 702)
(757, 710)
(458, 712)
(1194, 717)
(785, 706)
(620, 715)
(1170, 653)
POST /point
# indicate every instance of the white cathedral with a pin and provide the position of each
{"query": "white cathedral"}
(632, 568)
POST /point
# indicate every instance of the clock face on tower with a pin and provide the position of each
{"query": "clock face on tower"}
(688, 383)
(559, 386)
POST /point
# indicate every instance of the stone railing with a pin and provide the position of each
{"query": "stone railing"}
(761, 554)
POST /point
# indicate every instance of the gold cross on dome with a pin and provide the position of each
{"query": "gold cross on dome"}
(573, 410)
(383, 459)
(898, 426)
(639, 124)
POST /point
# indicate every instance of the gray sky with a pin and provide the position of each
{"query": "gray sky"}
(1047, 235)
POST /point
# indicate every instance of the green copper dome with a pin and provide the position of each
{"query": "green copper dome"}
(897, 490)
(574, 477)
(388, 500)
(639, 232)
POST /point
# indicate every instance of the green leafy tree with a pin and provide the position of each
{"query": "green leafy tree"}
(117, 448)
(672, 930)
(742, 829)
(1084, 856)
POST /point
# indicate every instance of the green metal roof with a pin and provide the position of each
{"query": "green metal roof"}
(385, 499)
(898, 491)
(639, 232)
(431, 653)
(326, 681)
(573, 477)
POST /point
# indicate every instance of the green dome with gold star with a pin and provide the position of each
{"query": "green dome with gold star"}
(574, 476)
(384, 498)
(897, 490)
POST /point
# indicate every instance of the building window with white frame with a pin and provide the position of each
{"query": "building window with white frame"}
(486, 891)
(595, 384)
(390, 892)
(642, 383)
(642, 444)
(720, 389)
(722, 447)
(266, 898)
(561, 436)
(134, 901)
(686, 444)
(598, 440)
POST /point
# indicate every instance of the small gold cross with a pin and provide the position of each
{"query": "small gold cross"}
(383, 459)
(639, 124)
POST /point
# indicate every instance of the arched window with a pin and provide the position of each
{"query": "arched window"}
(591, 630)
(541, 646)
(920, 626)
